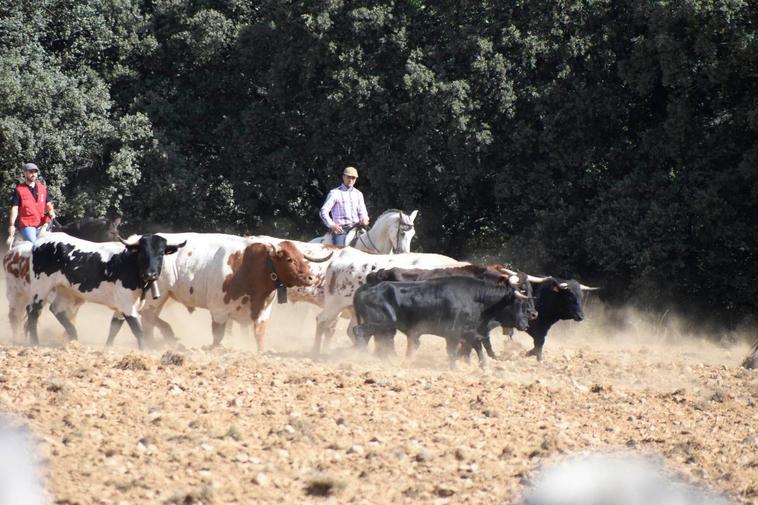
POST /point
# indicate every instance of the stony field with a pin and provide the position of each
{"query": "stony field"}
(187, 425)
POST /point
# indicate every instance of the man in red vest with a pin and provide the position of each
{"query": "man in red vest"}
(30, 206)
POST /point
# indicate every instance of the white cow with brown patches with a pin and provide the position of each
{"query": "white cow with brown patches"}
(16, 263)
(234, 278)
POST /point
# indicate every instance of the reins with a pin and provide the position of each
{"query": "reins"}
(366, 236)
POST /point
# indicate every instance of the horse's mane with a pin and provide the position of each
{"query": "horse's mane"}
(388, 211)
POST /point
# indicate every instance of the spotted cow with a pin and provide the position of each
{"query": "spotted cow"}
(233, 277)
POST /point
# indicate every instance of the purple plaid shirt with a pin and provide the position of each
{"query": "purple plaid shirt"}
(346, 205)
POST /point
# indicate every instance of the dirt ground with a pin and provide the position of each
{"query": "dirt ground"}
(186, 425)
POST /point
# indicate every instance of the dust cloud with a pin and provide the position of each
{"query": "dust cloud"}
(231, 425)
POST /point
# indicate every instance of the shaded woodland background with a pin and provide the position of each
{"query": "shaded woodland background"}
(614, 139)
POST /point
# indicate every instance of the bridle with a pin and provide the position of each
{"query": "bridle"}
(364, 236)
(402, 227)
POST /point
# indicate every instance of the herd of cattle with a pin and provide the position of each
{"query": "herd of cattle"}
(239, 278)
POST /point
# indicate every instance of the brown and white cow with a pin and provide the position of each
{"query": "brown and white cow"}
(234, 278)
(16, 264)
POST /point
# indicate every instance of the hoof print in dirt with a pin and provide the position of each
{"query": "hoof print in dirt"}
(133, 361)
(324, 485)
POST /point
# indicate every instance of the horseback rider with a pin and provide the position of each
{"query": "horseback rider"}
(30, 205)
(347, 208)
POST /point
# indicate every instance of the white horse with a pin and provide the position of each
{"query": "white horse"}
(391, 233)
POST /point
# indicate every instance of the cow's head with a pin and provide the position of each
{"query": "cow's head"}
(524, 300)
(560, 299)
(150, 250)
(522, 284)
(291, 266)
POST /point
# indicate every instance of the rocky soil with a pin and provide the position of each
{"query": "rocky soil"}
(185, 425)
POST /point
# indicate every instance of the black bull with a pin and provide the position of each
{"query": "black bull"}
(455, 308)
(555, 299)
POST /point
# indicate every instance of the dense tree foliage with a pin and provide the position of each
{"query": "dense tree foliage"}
(614, 139)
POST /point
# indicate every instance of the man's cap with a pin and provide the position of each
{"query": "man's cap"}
(28, 167)
(351, 171)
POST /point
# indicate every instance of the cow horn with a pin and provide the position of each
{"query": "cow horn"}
(587, 288)
(521, 296)
(319, 260)
(504, 270)
(536, 280)
(131, 241)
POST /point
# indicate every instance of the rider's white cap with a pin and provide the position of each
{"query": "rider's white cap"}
(351, 171)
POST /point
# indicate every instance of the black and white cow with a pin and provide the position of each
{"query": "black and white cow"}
(455, 308)
(66, 271)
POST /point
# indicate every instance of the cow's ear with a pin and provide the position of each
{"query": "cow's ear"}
(133, 249)
(171, 249)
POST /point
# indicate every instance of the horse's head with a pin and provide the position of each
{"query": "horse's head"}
(405, 232)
